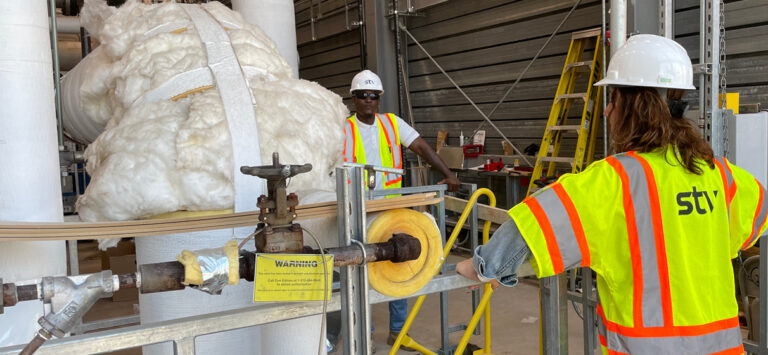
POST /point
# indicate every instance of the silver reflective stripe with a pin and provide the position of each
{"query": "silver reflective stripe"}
(561, 226)
(394, 148)
(349, 143)
(728, 175)
(653, 316)
(700, 344)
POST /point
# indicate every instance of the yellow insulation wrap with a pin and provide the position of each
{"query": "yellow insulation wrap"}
(403, 279)
(193, 275)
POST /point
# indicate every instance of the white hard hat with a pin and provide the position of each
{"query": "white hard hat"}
(650, 61)
(366, 80)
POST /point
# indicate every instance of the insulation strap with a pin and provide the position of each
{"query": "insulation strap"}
(238, 108)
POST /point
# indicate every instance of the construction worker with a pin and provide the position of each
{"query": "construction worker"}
(376, 139)
(658, 223)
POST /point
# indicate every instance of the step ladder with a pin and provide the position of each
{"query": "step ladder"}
(584, 131)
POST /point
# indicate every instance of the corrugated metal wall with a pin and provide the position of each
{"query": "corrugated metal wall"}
(329, 48)
(484, 45)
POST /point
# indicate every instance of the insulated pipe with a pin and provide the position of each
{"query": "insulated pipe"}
(618, 24)
(278, 20)
(75, 122)
(30, 190)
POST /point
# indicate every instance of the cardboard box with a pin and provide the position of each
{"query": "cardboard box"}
(453, 157)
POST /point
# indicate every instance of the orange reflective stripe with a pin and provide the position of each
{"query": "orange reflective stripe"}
(393, 181)
(354, 133)
(634, 243)
(658, 234)
(760, 216)
(732, 188)
(395, 157)
(573, 216)
(344, 152)
(549, 235)
(667, 331)
(728, 196)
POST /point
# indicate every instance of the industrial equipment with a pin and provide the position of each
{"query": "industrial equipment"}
(72, 296)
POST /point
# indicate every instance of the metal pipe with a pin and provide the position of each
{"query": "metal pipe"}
(67, 24)
(56, 73)
(168, 276)
(618, 24)
(33, 345)
(382, 169)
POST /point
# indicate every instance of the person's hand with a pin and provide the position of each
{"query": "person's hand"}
(452, 181)
(466, 269)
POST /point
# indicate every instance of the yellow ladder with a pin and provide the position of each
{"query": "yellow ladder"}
(557, 126)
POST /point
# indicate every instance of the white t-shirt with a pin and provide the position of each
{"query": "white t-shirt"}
(369, 134)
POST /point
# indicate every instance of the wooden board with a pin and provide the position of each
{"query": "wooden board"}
(16, 231)
(484, 212)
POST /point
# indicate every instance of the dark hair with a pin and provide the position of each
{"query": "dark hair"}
(647, 124)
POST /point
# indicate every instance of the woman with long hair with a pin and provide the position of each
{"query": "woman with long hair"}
(659, 222)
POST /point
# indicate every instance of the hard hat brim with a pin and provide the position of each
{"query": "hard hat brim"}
(352, 92)
(613, 82)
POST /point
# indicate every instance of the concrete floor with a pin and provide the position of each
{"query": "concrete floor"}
(514, 321)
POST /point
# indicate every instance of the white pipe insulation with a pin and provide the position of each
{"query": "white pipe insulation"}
(30, 189)
(278, 20)
(75, 121)
(618, 24)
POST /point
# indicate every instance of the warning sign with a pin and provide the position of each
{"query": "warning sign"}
(292, 277)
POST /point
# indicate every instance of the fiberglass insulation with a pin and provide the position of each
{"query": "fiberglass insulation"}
(169, 155)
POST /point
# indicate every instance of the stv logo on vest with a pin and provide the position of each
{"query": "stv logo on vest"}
(688, 200)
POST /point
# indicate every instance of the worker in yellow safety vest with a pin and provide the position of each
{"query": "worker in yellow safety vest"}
(377, 138)
(658, 223)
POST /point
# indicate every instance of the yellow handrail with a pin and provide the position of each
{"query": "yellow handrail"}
(483, 307)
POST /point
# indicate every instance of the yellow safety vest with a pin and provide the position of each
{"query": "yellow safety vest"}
(661, 241)
(390, 150)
